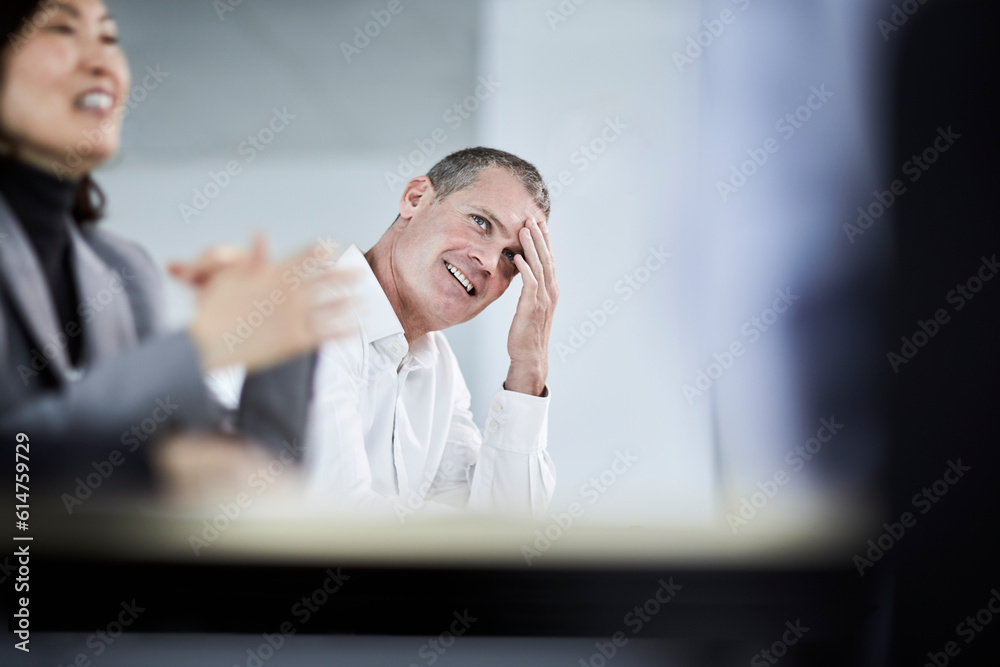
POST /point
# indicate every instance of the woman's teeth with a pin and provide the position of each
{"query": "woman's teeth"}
(461, 277)
(99, 101)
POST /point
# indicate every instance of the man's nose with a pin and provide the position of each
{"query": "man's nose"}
(487, 257)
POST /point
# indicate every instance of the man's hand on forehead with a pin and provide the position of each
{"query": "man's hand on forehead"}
(528, 340)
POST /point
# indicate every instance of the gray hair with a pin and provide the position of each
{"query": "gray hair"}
(460, 170)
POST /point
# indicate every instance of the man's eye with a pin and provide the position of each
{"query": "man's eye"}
(61, 29)
(110, 39)
(509, 255)
(480, 221)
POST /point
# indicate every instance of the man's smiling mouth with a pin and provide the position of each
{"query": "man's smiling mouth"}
(460, 277)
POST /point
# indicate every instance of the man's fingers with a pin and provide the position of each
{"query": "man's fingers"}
(545, 269)
(530, 282)
(544, 226)
(531, 253)
(541, 236)
(547, 255)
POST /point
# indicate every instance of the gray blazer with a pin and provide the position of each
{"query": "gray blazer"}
(137, 381)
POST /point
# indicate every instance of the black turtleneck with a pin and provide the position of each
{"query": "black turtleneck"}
(43, 205)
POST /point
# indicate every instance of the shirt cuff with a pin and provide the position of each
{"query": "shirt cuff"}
(517, 422)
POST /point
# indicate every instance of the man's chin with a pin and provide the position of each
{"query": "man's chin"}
(448, 317)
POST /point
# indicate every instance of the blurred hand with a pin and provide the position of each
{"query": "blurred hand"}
(198, 273)
(202, 470)
(257, 314)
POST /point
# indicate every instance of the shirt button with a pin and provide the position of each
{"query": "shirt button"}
(493, 425)
(497, 406)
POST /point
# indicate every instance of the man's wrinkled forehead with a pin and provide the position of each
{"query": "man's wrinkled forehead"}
(499, 193)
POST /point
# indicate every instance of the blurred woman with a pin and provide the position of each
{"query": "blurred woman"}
(87, 365)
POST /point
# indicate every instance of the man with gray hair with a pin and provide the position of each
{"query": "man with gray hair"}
(390, 424)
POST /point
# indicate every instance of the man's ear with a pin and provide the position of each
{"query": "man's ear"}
(419, 192)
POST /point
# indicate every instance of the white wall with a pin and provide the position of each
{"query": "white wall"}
(605, 69)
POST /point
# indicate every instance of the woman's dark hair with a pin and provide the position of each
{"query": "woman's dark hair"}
(16, 23)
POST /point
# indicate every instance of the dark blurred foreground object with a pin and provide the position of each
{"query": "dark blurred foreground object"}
(706, 598)
(946, 458)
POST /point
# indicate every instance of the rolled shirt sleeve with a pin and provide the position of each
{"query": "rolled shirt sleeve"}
(514, 473)
(504, 470)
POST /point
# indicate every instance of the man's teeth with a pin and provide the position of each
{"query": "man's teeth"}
(101, 101)
(461, 277)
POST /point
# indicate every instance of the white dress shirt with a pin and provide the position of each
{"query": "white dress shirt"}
(390, 425)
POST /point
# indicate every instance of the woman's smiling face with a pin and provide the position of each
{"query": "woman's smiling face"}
(63, 87)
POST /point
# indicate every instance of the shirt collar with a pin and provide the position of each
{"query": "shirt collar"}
(378, 319)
